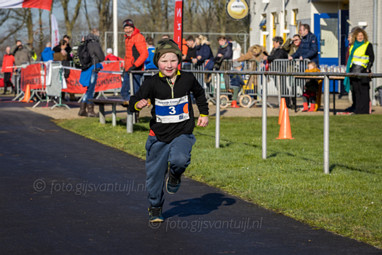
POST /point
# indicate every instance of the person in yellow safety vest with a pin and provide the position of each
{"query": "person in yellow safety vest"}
(361, 58)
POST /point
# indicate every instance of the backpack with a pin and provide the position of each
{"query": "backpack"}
(85, 60)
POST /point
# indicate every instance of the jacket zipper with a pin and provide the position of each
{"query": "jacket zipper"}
(171, 86)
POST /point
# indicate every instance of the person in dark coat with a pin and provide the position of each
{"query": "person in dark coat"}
(89, 76)
(203, 50)
(277, 52)
(224, 52)
(308, 48)
(68, 49)
(190, 58)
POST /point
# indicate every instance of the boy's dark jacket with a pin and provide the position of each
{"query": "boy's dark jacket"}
(157, 87)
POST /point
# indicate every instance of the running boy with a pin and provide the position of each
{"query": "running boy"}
(168, 147)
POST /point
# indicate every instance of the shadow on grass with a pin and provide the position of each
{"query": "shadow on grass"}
(333, 166)
(198, 206)
(224, 142)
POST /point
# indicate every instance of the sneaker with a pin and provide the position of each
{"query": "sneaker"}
(172, 183)
(155, 215)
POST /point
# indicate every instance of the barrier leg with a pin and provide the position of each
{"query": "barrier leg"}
(102, 114)
(114, 115)
(129, 122)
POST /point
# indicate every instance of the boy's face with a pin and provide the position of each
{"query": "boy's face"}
(311, 66)
(168, 64)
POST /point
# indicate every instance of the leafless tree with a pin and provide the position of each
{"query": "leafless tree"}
(14, 19)
(70, 21)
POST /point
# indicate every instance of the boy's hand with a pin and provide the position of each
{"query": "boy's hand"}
(202, 121)
(142, 103)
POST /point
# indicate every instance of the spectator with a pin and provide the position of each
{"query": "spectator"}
(111, 57)
(7, 69)
(89, 76)
(255, 56)
(135, 55)
(170, 140)
(308, 48)
(149, 62)
(310, 89)
(166, 36)
(236, 81)
(361, 59)
(350, 39)
(68, 49)
(47, 53)
(236, 48)
(190, 58)
(21, 53)
(203, 51)
(291, 45)
(224, 52)
(277, 51)
(61, 55)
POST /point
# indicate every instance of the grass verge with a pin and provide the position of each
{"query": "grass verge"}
(291, 180)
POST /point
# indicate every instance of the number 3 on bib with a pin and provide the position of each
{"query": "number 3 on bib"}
(172, 110)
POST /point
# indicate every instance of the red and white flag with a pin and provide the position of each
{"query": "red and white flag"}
(55, 33)
(39, 4)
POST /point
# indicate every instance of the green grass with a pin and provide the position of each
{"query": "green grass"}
(291, 181)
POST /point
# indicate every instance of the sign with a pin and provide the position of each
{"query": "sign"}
(178, 23)
(105, 81)
(31, 75)
(237, 9)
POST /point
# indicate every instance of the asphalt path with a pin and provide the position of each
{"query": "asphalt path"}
(61, 193)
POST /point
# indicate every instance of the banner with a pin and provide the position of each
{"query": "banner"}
(178, 23)
(105, 81)
(55, 32)
(32, 75)
(39, 4)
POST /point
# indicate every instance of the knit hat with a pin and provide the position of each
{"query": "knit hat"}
(109, 51)
(128, 23)
(166, 46)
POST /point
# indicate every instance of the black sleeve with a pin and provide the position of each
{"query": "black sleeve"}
(200, 96)
(228, 53)
(370, 53)
(57, 48)
(143, 93)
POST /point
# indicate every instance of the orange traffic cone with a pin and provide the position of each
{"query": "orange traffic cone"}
(282, 107)
(27, 95)
(285, 131)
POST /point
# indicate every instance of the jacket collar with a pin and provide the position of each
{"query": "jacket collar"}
(162, 76)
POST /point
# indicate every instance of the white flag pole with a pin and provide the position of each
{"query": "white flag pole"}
(115, 27)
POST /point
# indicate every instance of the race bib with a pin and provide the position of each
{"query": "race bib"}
(172, 110)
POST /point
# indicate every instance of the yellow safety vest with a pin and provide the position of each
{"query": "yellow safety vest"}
(359, 57)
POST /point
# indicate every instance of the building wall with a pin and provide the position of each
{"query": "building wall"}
(259, 9)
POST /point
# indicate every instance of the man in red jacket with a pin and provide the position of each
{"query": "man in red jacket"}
(135, 56)
(8, 63)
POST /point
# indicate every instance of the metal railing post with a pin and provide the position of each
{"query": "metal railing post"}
(129, 122)
(217, 123)
(264, 117)
(326, 124)
(132, 91)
